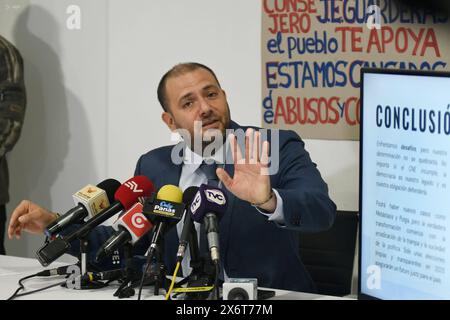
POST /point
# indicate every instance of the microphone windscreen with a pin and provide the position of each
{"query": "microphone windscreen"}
(189, 194)
(133, 189)
(208, 199)
(169, 192)
(110, 186)
(167, 207)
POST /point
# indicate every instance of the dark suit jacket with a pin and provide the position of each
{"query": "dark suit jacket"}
(252, 246)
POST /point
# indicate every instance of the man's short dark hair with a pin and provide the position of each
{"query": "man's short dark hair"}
(179, 69)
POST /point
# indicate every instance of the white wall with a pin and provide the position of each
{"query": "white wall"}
(149, 37)
(92, 93)
(64, 139)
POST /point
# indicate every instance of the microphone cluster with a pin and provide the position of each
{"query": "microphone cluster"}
(141, 210)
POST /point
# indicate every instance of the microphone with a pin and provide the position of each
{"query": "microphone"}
(209, 204)
(131, 191)
(89, 201)
(188, 197)
(130, 227)
(164, 211)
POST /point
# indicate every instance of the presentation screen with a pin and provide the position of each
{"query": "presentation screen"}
(404, 185)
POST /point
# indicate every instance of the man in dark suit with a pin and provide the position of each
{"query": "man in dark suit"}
(259, 232)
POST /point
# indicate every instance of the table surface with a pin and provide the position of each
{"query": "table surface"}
(14, 268)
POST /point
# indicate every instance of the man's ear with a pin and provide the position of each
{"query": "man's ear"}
(168, 120)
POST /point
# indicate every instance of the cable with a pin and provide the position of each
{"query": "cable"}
(41, 289)
(46, 273)
(21, 287)
(216, 284)
(174, 277)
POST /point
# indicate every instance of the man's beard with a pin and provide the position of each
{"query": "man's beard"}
(212, 138)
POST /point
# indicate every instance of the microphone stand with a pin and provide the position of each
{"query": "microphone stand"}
(126, 289)
(84, 245)
(160, 274)
(84, 248)
(203, 270)
(196, 262)
(156, 271)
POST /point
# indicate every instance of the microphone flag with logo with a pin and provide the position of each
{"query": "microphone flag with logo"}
(130, 228)
(89, 201)
(208, 206)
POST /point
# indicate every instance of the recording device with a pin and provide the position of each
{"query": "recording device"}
(240, 289)
(188, 226)
(208, 206)
(129, 193)
(130, 228)
(89, 201)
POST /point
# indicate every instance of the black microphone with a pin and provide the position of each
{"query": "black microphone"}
(126, 196)
(209, 204)
(89, 201)
(188, 197)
